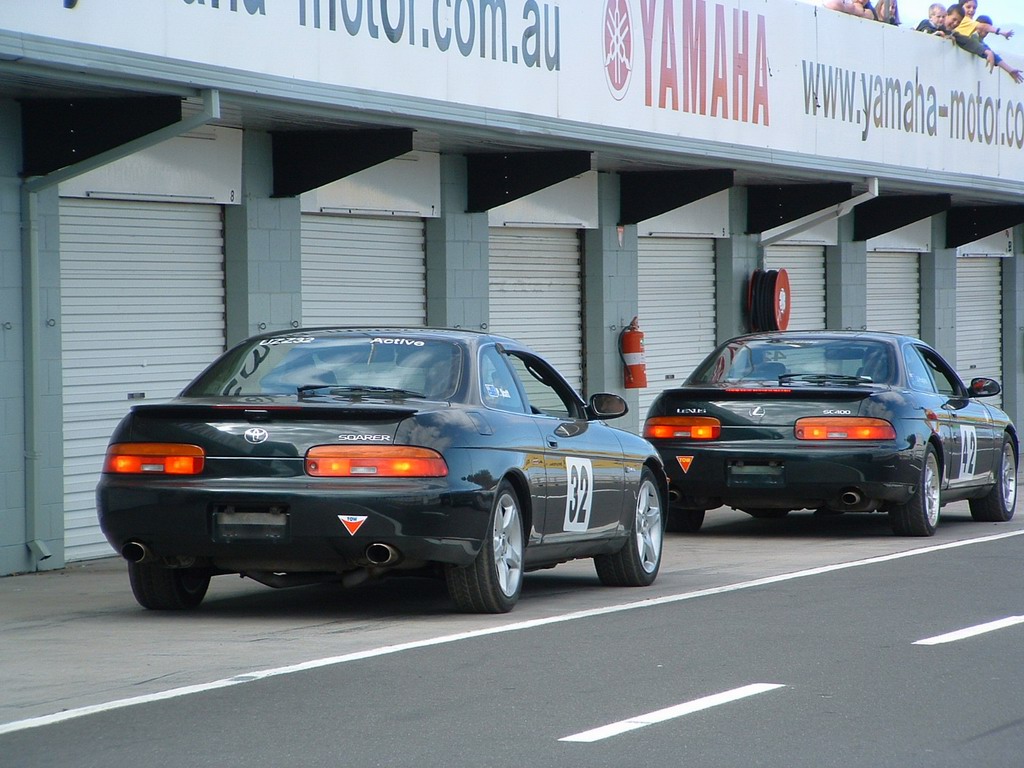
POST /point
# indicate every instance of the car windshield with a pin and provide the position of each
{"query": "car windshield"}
(798, 360)
(325, 364)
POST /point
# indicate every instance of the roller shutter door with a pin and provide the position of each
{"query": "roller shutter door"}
(536, 293)
(979, 319)
(805, 265)
(142, 311)
(676, 285)
(894, 293)
(363, 271)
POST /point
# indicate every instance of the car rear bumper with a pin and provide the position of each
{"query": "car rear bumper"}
(850, 479)
(274, 525)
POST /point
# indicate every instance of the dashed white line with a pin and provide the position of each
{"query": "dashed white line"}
(978, 629)
(70, 714)
(671, 713)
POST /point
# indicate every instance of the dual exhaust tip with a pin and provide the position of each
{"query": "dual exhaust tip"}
(377, 553)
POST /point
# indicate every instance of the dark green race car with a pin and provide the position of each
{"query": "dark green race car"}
(836, 422)
(338, 455)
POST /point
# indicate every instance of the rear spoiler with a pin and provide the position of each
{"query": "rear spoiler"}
(781, 392)
(272, 411)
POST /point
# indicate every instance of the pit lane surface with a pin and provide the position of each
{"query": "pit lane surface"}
(793, 642)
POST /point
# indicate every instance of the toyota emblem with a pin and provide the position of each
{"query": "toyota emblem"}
(256, 435)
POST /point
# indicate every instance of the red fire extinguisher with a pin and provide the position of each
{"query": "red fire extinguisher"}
(631, 349)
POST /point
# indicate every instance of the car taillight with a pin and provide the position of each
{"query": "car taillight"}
(683, 427)
(843, 428)
(374, 461)
(154, 458)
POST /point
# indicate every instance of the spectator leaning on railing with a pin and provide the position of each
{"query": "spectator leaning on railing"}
(886, 10)
(935, 24)
(972, 43)
(980, 27)
(953, 23)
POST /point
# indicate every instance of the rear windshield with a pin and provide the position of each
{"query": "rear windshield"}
(315, 364)
(773, 358)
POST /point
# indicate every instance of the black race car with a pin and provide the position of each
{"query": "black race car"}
(334, 454)
(833, 422)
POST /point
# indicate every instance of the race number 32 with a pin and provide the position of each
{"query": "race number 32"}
(580, 495)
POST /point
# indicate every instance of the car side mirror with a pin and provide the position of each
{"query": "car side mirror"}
(984, 387)
(605, 405)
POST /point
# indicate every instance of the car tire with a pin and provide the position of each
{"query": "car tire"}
(167, 589)
(638, 562)
(493, 581)
(999, 504)
(767, 514)
(681, 520)
(920, 515)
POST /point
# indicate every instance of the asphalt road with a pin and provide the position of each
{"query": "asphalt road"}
(801, 642)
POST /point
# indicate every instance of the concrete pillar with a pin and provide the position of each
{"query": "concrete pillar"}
(31, 413)
(846, 280)
(262, 250)
(14, 555)
(43, 377)
(736, 257)
(1013, 330)
(938, 293)
(611, 291)
(458, 289)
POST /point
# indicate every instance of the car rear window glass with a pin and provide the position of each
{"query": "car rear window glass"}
(770, 359)
(320, 364)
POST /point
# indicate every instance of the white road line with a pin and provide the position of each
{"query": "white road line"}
(979, 629)
(671, 713)
(70, 714)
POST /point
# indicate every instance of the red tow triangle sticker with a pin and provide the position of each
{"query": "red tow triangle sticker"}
(685, 462)
(352, 523)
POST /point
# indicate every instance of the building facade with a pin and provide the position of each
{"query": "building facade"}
(176, 175)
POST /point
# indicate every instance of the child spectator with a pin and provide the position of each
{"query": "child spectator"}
(980, 27)
(935, 24)
(888, 11)
(862, 8)
(972, 44)
(885, 11)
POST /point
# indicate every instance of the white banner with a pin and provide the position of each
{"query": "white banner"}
(771, 75)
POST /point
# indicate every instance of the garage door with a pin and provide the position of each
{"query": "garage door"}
(536, 293)
(142, 312)
(676, 285)
(805, 265)
(363, 271)
(894, 293)
(979, 318)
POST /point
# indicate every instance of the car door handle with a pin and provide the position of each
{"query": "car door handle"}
(552, 443)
